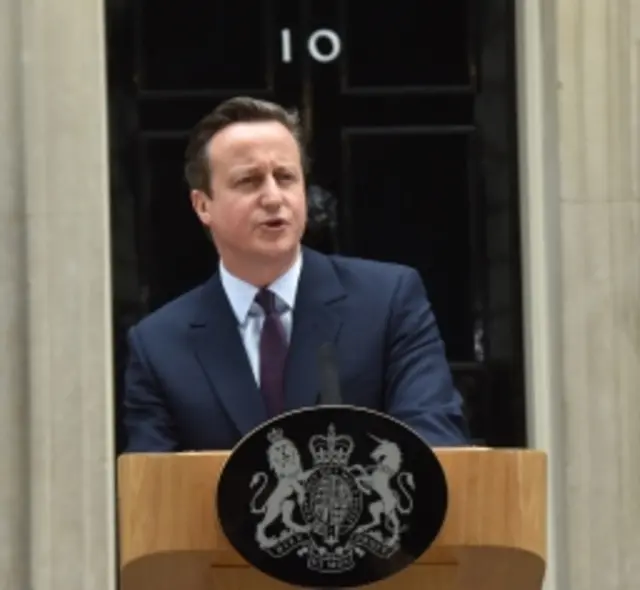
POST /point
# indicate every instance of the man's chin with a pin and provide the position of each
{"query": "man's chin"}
(275, 253)
(277, 248)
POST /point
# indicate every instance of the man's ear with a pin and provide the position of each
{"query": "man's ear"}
(200, 203)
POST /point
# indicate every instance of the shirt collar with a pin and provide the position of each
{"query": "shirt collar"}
(241, 294)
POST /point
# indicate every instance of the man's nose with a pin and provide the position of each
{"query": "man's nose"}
(271, 194)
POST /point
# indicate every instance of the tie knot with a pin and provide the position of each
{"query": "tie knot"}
(266, 300)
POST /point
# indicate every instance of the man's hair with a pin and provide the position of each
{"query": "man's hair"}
(241, 109)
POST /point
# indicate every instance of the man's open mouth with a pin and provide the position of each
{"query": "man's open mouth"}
(275, 223)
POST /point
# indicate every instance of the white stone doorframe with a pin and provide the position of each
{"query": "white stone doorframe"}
(57, 519)
(539, 228)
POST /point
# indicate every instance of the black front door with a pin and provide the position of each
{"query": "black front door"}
(411, 147)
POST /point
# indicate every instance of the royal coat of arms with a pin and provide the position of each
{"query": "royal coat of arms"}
(332, 512)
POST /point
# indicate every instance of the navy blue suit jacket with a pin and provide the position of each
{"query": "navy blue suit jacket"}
(189, 385)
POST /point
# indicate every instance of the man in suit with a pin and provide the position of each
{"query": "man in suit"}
(212, 365)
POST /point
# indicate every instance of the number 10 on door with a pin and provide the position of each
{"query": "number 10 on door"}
(323, 45)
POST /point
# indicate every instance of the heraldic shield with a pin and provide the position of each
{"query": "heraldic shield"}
(332, 497)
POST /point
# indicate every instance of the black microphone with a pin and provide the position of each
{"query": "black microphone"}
(329, 377)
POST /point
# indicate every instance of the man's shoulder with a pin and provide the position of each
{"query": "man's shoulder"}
(366, 270)
(176, 313)
(367, 282)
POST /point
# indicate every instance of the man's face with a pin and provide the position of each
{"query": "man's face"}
(257, 208)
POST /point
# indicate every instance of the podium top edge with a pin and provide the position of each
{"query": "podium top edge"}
(436, 450)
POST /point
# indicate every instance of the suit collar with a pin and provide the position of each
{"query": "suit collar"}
(219, 349)
(317, 283)
(241, 295)
(317, 319)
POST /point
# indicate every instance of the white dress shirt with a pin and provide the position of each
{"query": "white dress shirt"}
(250, 315)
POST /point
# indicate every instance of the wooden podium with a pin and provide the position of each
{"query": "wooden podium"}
(493, 538)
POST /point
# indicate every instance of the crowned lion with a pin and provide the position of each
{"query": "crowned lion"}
(286, 463)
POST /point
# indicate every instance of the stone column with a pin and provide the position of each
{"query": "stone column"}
(57, 515)
(66, 171)
(14, 460)
(581, 219)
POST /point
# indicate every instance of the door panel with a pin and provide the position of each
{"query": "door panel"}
(186, 46)
(402, 45)
(177, 248)
(394, 139)
(407, 196)
(190, 56)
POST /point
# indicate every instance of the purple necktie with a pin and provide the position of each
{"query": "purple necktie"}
(273, 354)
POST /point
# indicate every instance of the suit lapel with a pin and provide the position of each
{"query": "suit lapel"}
(317, 320)
(220, 351)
